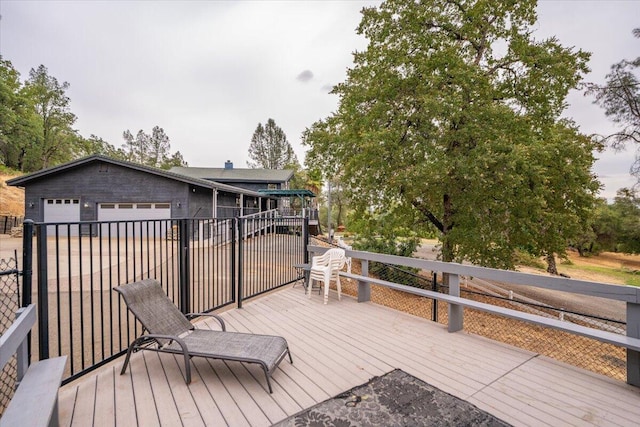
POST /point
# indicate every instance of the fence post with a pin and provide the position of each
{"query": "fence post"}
(306, 240)
(183, 253)
(27, 262)
(239, 264)
(364, 288)
(23, 353)
(434, 288)
(633, 357)
(43, 293)
(456, 312)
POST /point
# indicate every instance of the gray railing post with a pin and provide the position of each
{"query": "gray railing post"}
(456, 312)
(22, 354)
(633, 357)
(364, 288)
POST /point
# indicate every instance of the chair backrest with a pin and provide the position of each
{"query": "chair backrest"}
(337, 260)
(153, 308)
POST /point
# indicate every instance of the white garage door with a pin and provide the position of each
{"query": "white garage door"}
(137, 217)
(62, 210)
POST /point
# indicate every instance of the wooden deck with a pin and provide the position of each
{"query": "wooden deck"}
(336, 347)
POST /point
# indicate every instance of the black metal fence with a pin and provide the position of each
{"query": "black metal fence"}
(202, 264)
(9, 304)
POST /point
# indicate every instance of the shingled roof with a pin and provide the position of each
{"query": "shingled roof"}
(236, 175)
(171, 174)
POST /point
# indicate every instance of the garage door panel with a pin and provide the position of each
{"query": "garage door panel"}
(134, 219)
(62, 211)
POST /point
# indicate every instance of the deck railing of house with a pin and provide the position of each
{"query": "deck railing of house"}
(203, 265)
(456, 304)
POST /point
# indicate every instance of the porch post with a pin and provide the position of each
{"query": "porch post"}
(456, 312)
(633, 357)
(364, 288)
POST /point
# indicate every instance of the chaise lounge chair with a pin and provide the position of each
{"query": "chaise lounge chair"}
(170, 331)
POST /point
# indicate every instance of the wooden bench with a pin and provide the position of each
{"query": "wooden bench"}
(628, 342)
(35, 402)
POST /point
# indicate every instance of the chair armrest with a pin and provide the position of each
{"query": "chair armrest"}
(215, 316)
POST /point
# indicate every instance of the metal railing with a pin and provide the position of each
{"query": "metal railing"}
(202, 264)
(459, 301)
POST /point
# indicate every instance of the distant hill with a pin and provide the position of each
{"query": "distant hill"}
(11, 198)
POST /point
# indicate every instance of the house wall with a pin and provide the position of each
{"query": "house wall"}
(227, 206)
(200, 202)
(101, 182)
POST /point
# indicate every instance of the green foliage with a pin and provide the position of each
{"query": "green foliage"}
(269, 148)
(390, 246)
(620, 98)
(149, 149)
(450, 119)
(627, 207)
(526, 259)
(57, 139)
(20, 127)
(614, 227)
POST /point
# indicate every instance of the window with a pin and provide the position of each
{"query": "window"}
(143, 205)
(125, 205)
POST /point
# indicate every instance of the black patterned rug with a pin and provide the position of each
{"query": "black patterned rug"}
(393, 399)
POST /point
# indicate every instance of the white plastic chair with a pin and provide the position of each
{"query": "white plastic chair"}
(325, 268)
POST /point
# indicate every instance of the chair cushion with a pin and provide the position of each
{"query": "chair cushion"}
(253, 348)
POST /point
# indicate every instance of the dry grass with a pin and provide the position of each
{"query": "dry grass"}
(11, 198)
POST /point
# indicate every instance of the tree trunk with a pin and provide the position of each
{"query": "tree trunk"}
(447, 219)
(551, 264)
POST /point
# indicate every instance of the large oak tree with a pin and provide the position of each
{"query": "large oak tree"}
(450, 119)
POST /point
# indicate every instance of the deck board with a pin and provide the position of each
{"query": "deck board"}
(336, 347)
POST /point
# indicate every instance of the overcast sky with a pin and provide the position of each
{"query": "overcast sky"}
(209, 71)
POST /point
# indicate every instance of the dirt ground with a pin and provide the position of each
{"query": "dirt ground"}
(11, 198)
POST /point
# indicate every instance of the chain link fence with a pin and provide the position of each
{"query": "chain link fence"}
(586, 353)
(9, 305)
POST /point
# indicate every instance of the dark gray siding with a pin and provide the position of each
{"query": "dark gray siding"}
(227, 207)
(101, 182)
(200, 202)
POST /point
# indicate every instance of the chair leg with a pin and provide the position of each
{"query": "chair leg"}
(126, 359)
(339, 287)
(326, 291)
